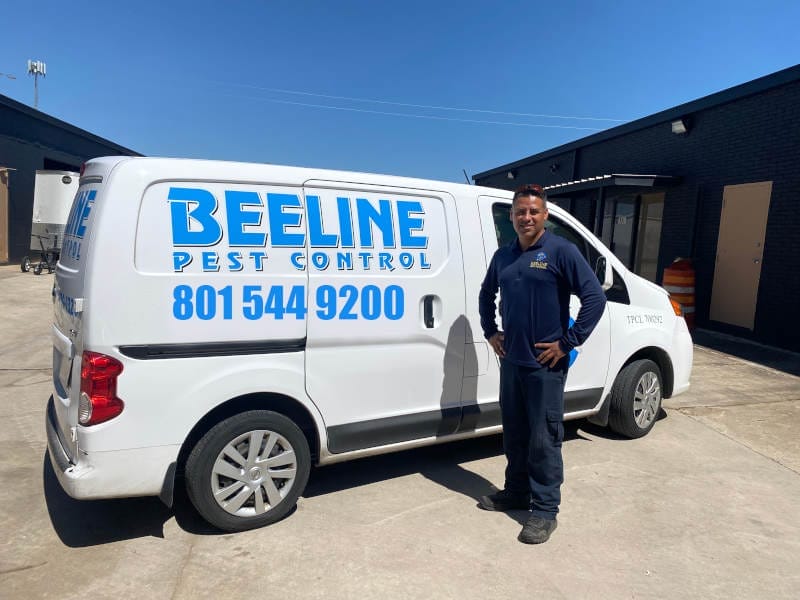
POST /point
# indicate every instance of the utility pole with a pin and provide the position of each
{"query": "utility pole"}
(36, 68)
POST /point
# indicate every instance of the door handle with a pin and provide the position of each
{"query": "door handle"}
(427, 304)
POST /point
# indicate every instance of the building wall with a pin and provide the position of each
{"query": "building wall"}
(30, 141)
(750, 139)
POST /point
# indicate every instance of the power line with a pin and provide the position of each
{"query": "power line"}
(413, 116)
(425, 106)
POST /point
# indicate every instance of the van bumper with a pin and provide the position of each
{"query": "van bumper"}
(682, 357)
(111, 474)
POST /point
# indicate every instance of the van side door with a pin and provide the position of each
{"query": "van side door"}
(385, 337)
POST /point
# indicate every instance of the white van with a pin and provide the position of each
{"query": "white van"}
(236, 323)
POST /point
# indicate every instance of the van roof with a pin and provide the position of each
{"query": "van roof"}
(261, 172)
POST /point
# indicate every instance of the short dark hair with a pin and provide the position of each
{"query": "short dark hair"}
(531, 189)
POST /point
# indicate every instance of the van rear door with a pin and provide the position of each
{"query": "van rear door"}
(69, 301)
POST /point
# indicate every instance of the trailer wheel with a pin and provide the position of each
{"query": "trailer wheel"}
(25, 265)
(635, 399)
(37, 270)
(248, 470)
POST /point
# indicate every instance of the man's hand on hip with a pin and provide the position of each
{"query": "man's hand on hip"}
(496, 342)
(551, 353)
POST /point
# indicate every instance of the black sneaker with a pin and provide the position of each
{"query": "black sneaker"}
(505, 500)
(537, 530)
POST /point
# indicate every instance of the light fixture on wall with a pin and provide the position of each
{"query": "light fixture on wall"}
(680, 126)
(511, 175)
(554, 167)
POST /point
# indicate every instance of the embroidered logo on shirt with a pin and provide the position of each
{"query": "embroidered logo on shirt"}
(540, 261)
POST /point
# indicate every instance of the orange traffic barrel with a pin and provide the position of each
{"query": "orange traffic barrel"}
(679, 282)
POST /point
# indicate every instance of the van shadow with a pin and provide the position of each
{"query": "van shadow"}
(442, 458)
(441, 464)
(82, 523)
(606, 432)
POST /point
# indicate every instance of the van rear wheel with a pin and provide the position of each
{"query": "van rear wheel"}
(636, 399)
(248, 471)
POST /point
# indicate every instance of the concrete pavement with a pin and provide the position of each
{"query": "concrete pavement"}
(706, 506)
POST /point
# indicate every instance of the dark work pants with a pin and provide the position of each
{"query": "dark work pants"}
(532, 405)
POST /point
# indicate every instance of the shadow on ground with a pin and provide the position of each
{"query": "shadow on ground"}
(82, 523)
(768, 356)
(441, 464)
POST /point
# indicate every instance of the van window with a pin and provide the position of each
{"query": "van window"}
(501, 214)
(506, 234)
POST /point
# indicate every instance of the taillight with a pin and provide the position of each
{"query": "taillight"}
(98, 400)
(83, 168)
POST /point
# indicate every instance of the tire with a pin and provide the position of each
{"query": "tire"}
(25, 265)
(37, 270)
(636, 399)
(235, 491)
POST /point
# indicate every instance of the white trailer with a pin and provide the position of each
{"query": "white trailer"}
(52, 198)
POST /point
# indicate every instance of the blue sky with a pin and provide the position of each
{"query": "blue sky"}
(315, 83)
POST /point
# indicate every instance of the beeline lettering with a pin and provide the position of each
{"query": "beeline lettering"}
(195, 221)
(76, 224)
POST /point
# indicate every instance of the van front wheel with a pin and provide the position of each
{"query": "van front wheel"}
(248, 470)
(635, 399)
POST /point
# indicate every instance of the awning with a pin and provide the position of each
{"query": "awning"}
(614, 180)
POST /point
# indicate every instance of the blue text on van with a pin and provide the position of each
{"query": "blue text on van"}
(359, 224)
(75, 229)
(246, 209)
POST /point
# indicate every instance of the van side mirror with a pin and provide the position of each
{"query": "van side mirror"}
(604, 272)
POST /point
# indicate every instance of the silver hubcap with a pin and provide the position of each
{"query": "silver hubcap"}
(646, 400)
(253, 473)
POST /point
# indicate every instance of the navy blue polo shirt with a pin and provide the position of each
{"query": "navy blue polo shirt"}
(535, 286)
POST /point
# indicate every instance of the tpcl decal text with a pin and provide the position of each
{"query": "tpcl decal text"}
(254, 302)
(381, 235)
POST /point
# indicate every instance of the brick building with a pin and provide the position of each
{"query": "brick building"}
(716, 180)
(30, 140)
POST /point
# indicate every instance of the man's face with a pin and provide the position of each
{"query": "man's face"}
(528, 215)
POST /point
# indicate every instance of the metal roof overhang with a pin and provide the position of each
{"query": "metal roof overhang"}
(614, 180)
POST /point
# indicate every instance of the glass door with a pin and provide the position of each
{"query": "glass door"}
(651, 211)
(620, 226)
(632, 230)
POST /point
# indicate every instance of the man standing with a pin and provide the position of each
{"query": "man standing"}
(535, 274)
